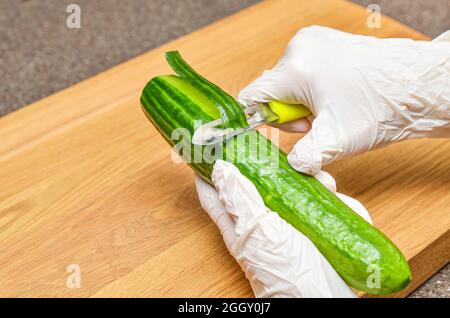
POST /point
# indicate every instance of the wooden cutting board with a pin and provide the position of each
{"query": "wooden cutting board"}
(86, 180)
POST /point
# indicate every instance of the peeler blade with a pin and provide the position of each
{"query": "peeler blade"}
(210, 133)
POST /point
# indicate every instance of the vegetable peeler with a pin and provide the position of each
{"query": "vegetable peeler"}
(273, 112)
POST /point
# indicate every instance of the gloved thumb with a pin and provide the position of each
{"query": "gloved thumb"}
(274, 84)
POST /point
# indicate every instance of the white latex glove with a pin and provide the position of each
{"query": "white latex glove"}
(364, 92)
(277, 259)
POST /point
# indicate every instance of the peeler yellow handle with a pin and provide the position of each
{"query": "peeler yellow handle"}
(288, 112)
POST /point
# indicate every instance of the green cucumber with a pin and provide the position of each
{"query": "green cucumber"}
(362, 255)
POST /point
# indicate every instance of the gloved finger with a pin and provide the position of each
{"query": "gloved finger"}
(275, 84)
(296, 126)
(306, 155)
(261, 90)
(327, 180)
(328, 140)
(238, 195)
(356, 206)
(209, 200)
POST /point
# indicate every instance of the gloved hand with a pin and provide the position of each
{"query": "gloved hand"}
(277, 259)
(364, 92)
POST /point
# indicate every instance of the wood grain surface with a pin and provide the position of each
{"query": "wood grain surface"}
(86, 180)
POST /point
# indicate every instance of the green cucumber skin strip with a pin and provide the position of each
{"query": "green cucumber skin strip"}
(230, 111)
(346, 240)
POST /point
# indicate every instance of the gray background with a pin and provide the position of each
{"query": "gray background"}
(39, 55)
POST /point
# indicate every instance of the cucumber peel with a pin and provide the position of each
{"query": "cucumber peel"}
(231, 112)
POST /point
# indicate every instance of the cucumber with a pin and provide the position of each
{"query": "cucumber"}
(362, 255)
